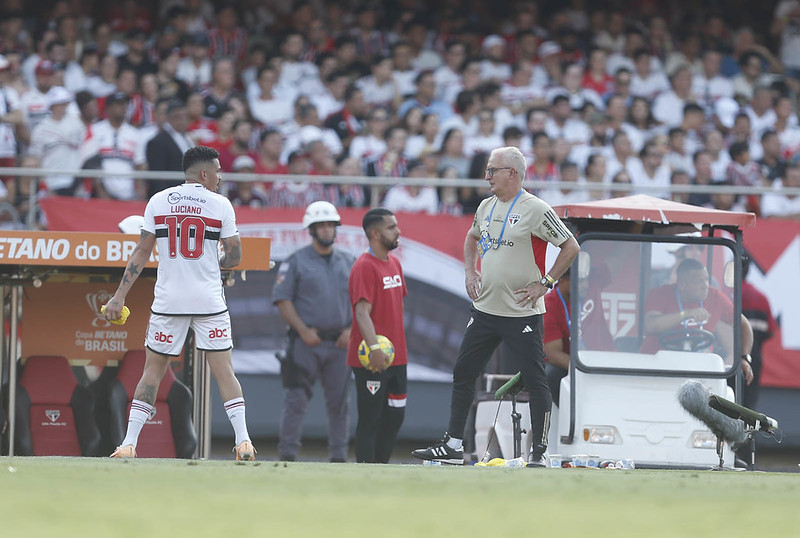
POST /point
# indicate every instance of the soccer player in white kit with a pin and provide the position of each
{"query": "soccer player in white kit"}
(188, 222)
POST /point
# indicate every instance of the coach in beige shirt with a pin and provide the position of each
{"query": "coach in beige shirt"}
(510, 235)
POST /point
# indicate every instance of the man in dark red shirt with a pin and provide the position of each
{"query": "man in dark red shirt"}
(693, 304)
(593, 331)
(755, 307)
(556, 334)
(377, 288)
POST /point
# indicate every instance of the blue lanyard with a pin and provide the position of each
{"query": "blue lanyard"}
(685, 322)
(564, 303)
(503, 229)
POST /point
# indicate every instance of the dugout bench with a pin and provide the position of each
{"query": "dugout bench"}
(53, 285)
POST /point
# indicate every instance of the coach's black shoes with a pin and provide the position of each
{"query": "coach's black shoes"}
(441, 452)
(537, 456)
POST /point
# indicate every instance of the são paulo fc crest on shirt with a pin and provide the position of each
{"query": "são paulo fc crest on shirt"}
(513, 219)
(373, 386)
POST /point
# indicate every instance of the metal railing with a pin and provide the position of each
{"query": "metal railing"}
(377, 183)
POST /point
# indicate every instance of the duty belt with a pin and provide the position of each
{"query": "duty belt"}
(326, 335)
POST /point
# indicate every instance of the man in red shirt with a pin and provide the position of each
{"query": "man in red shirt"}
(593, 331)
(556, 334)
(693, 304)
(755, 306)
(377, 288)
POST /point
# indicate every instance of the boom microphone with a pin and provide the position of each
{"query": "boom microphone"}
(511, 387)
(694, 397)
(754, 419)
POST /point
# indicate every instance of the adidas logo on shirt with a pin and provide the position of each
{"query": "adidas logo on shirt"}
(527, 329)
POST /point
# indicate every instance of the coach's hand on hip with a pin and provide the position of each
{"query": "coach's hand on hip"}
(473, 284)
(530, 294)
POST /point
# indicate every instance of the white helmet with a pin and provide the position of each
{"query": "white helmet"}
(321, 212)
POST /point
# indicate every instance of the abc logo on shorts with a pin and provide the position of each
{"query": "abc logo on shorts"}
(218, 333)
(161, 337)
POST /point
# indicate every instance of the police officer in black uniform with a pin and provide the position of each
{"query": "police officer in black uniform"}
(312, 297)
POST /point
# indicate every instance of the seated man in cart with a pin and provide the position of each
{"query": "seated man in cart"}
(690, 315)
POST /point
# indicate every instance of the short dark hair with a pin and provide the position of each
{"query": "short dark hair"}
(464, 99)
(373, 217)
(737, 148)
(567, 165)
(688, 265)
(690, 108)
(198, 154)
(421, 75)
(767, 134)
(351, 91)
(674, 131)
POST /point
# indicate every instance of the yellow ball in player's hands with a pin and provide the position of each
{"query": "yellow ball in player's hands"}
(386, 346)
(123, 315)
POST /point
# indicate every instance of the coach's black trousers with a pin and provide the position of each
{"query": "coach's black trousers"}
(523, 336)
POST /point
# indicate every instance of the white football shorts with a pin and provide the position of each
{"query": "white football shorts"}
(167, 334)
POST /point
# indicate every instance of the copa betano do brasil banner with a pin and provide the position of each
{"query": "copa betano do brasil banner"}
(432, 251)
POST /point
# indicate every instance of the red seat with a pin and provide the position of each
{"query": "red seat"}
(54, 413)
(170, 432)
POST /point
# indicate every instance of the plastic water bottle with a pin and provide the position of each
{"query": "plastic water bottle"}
(431, 462)
(516, 463)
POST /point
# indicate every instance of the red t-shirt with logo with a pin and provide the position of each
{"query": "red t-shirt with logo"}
(664, 301)
(380, 283)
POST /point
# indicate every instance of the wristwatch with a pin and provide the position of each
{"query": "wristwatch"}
(547, 282)
(747, 358)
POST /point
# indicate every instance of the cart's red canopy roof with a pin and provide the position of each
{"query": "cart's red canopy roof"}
(641, 207)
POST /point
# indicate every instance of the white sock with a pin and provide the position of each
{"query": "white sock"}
(140, 412)
(235, 410)
(454, 443)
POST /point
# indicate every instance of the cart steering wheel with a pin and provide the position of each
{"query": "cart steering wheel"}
(686, 339)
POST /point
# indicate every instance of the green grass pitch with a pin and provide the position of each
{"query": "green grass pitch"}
(86, 497)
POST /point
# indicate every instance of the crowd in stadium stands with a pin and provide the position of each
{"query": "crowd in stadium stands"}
(647, 93)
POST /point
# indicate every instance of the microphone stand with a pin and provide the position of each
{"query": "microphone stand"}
(511, 388)
(720, 445)
(516, 426)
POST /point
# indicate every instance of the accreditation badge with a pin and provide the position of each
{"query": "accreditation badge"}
(484, 243)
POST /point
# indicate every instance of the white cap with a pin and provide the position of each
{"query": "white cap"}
(3, 62)
(131, 225)
(726, 109)
(243, 161)
(58, 95)
(491, 41)
(309, 133)
(549, 48)
(320, 212)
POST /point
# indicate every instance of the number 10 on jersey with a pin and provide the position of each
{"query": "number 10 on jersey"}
(185, 233)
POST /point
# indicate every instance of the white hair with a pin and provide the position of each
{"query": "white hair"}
(514, 158)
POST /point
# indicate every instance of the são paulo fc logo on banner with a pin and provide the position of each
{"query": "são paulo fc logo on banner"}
(53, 414)
(514, 218)
(373, 386)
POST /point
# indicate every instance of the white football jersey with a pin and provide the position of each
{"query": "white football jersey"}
(188, 222)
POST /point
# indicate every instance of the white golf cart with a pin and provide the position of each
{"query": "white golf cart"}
(619, 400)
